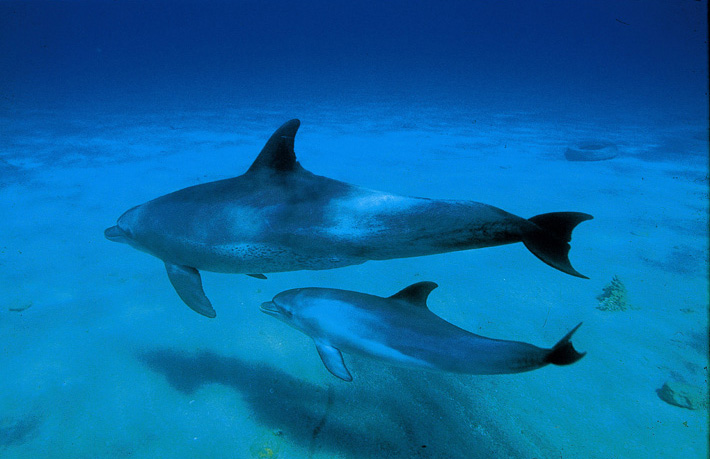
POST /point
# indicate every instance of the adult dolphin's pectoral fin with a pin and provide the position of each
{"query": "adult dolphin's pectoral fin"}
(188, 284)
(551, 243)
(333, 361)
(257, 276)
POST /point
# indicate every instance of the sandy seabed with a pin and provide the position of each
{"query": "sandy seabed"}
(100, 358)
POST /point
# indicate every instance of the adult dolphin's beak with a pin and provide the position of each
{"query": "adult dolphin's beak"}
(115, 234)
(270, 308)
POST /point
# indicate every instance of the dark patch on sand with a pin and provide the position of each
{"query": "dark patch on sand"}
(678, 147)
(382, 417)
(682, 260)
(16, 431)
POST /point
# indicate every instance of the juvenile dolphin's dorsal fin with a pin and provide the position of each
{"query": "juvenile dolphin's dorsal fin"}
(278, 154)
(415, 294)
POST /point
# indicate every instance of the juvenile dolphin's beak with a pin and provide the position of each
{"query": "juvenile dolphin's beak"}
(115, 234)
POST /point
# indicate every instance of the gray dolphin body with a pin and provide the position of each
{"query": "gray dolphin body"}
(279, 217)
(401, 330)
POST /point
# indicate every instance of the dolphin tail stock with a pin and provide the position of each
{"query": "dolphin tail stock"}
(564, 353)
(551, 243)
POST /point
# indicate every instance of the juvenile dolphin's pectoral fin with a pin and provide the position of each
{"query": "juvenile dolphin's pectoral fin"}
(415, 294)
(333, 361)
(257, 276)
(188, 284)
(551, 243)
(278, 154)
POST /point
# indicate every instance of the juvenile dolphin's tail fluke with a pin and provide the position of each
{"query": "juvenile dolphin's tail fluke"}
(551, 243)
(563, 353)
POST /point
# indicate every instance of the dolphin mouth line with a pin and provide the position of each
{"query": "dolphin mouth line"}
(270, 308)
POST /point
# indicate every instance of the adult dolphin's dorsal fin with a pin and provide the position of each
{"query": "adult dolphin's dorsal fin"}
(415, 294)
(278, 154)
(333, 360)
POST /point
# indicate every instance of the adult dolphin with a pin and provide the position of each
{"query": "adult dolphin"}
(401, 330)
(279, 217)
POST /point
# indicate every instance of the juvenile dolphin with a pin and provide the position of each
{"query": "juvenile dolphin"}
(279, 217)
(401, 330)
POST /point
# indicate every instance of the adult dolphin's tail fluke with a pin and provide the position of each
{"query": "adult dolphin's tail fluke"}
(401, 330)
(551, 243)
(278, 217)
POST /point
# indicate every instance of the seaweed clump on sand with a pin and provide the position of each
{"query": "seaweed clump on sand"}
(613, 297)
(267, 446)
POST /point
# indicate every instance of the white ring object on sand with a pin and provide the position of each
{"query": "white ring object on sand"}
(599, 150)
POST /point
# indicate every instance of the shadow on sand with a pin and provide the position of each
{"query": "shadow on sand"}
(396, 415)
(15, 432)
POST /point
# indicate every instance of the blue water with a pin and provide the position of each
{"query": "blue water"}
(107, 104)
